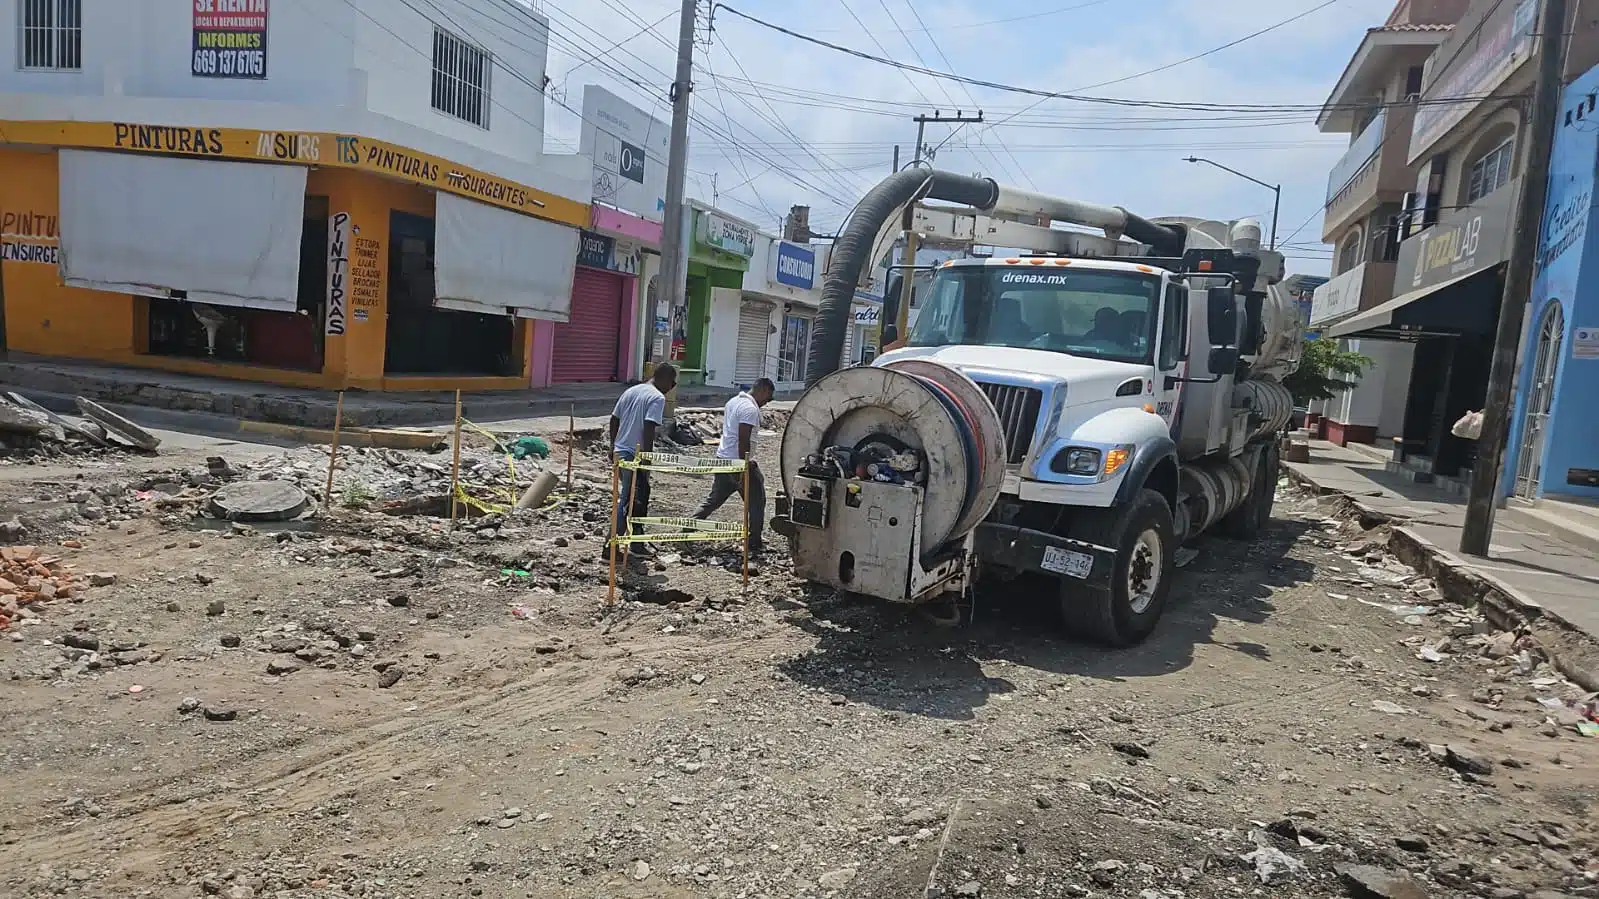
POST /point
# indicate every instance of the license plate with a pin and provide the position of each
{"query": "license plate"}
(1067, 562)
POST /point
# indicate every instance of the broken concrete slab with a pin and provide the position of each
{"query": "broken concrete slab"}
(118, 426)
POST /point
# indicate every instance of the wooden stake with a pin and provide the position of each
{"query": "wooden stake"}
(610, 544)
(745, 493)
(455, 466)
(571, 436)
(333, 454)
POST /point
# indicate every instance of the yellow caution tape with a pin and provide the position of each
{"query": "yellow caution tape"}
(675, 463)
(510, 493)
(680, 530)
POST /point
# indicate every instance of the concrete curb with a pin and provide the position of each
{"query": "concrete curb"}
(1573, 651)
(387, 438)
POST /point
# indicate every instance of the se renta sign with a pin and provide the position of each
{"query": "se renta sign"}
(230, 39)
(796, 265)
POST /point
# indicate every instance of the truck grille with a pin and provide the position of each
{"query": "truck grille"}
(1018, 416)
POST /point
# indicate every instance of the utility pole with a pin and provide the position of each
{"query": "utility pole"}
(1477, 533)
(896, 159)
(908, 220)
(937, 118)
(673, 242)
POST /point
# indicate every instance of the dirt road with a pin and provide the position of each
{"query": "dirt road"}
(371, 705)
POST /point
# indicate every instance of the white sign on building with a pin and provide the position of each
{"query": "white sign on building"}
(727, 235)
(1338, 297)
(629, 149)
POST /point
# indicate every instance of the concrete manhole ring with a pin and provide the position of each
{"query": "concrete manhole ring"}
(259, 501)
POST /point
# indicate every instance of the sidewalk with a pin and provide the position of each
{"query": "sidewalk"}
(54, 383)
(1534, 573)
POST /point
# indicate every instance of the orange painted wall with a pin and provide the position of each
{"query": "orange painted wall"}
(356, 358)
(47, 318)
(43, 315)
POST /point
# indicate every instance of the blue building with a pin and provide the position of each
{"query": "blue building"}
(1554, 437)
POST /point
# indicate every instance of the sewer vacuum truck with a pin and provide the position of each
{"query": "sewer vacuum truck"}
(1076, 411)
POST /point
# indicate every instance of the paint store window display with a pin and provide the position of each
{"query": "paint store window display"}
(424, 339)
(288, 340)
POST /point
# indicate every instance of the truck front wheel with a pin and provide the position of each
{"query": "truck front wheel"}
(1126, 612)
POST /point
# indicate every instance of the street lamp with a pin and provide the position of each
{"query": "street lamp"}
(1276, 189)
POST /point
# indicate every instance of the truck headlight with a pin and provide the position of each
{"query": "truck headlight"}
(1076, 460)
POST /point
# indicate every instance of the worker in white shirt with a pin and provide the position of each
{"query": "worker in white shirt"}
(741, 419)
(634, 422)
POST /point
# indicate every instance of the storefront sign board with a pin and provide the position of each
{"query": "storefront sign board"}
(1501, 47)
(795, 266)
(727, 235)
(1463, 242)
(321, 149)
(629, 150)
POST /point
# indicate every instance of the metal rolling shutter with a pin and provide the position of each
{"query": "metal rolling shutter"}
(749, 356)
(587, 344)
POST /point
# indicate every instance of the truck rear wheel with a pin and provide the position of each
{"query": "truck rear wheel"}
(1127, 612)
(1254, 513)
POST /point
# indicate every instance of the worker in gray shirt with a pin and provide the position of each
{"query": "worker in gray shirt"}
(634, 422)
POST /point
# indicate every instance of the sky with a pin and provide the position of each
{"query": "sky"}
(783, 122)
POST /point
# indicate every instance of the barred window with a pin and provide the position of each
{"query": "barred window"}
(460, 78)
(50, 35)
(1490, 172)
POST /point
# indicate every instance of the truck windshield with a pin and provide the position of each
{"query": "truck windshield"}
(1098, 314)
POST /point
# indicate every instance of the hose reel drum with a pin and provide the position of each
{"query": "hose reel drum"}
(925, 406)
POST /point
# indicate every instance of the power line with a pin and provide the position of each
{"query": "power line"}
(647, 29)
(1081, 98)
(1031, 17)
(776, 121)
(1212, 51)
(911, 5)
(703, 124)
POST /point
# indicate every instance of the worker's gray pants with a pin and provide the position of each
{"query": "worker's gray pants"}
(725, 485)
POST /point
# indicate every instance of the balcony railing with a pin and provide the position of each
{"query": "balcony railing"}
(1357, 157)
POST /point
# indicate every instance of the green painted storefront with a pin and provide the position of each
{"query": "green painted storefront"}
(708, 268)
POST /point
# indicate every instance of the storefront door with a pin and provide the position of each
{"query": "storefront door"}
(1541, 391)
(795, 348)
(587, 345)
(754, 324)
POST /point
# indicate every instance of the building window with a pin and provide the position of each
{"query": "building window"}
(1490, 172)
(460, 79)
(51, 35)
(1350, 252)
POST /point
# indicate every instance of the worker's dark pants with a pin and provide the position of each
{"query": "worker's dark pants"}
(725, 485)
(635, 498)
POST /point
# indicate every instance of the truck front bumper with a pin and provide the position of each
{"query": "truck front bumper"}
(1025, 549)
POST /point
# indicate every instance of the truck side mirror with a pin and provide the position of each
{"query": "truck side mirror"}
(1221, 312)
(1223, 360)
(888, 329)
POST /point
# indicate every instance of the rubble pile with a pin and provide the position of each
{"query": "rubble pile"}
(703, 427)
(29, 431)
(28, 578)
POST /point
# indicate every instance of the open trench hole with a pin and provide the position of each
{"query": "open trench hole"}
(664, 596)
(432, 506)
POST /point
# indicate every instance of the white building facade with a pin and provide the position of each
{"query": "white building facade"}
(386, 156)
(764, 329)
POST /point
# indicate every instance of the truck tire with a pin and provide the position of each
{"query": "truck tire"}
(1254, 513)
(1126, 613)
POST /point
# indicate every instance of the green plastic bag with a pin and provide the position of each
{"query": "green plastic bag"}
(523, 447)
